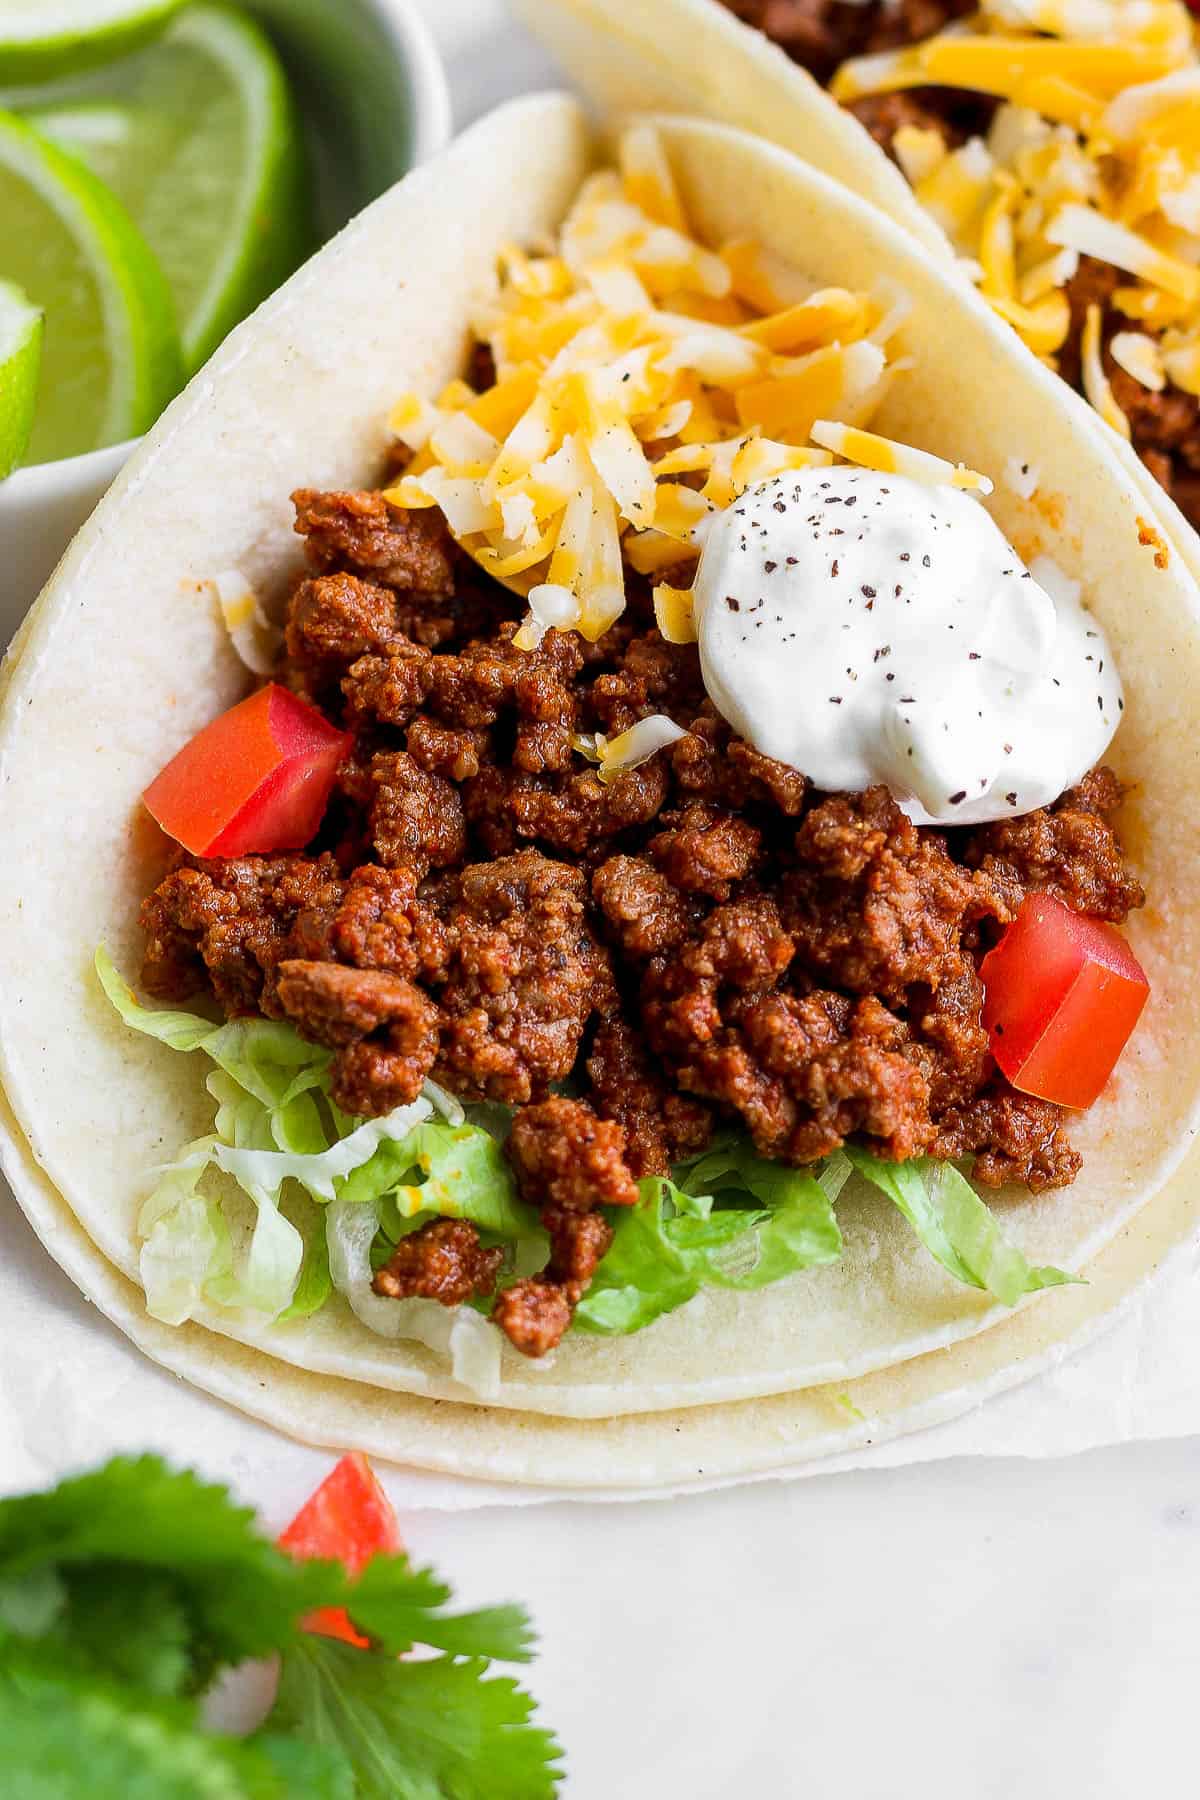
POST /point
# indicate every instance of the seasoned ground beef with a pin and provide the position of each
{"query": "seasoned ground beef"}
(442, 1261)
(567, 1158)
(699, 942)
(820, 34)
(1165, 427)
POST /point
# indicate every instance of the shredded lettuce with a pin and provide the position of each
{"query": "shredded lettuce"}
(956, 1227)
(761, 1221)
(275, 1124)
(727, 1219)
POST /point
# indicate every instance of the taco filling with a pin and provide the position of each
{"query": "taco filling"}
(689, 783)
(1056, 144)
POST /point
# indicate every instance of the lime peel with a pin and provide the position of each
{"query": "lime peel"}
(44, 38)
(199, 138)
(111, 352)
(21, 331)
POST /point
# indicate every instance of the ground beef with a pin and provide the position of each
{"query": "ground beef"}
(437, 593)
(703, 851)
(332, 621)
(534, 1313)
(1070, 850)
(417, 818)
(227, 924)
(384, 1028)
(568, 1159)
(441, 1261)
(1013, 1137)
(524, 977)
(1165, 427)
(821, 34)
(874, 905)
(360, 532)
(661, 1124)
(568, 1163)
(643, 913)
(712, 764)
(702, 942)
(576, 815)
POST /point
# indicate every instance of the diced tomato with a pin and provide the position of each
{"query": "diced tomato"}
(257, 778)
(349, 1519)
(1062, 993)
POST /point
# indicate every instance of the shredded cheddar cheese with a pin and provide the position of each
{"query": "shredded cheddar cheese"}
(1094, 151)
(254, 637)
(644, 381)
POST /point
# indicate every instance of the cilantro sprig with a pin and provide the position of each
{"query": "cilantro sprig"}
(125, 1591)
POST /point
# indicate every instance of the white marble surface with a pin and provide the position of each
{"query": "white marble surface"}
(977, 1627)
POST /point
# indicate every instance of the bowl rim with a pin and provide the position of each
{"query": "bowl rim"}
(432, 118)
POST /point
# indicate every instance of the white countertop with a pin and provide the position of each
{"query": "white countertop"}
(977, 1628)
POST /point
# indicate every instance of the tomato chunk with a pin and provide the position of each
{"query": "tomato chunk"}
(257, 778)
(1062, 993)
(349, 1519)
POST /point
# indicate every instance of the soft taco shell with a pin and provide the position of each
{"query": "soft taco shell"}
(693, 56)
(639, 1453)
(125, 658)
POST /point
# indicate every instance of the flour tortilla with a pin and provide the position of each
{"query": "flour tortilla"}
(639, 1454)
(694, 56)
(125, 658)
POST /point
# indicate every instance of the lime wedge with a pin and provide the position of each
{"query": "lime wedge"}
(198, 137)
(20, 360)
(39, 38)
(111, 353)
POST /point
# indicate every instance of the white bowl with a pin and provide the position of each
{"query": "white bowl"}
(366, 55)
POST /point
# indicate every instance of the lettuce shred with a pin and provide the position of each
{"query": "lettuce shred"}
(331, 1195)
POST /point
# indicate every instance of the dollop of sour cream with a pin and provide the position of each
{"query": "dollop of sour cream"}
(870, 628)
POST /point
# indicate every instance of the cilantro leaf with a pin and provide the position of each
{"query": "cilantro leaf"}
(432, 1730)
(317, 1773)
(135, 1631)
(61, 1740)
(400, 1606)
(117, 1527)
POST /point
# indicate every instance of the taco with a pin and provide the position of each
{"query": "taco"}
(519, 1021)
(1050, 148)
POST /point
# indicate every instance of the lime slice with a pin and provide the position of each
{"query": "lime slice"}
(111, 354)
(40, 38)
(198, 137)
(20, 360)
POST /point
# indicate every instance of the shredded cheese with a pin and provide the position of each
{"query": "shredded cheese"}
(635, 746)
(872, 452)
(1094, 151)
(255, 638)
(644, 381)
